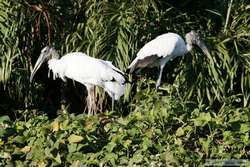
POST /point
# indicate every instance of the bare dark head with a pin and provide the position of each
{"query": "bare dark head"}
(194, 38)
(46, 54)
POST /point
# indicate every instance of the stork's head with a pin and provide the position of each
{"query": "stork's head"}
(194, 38)
(46, 54)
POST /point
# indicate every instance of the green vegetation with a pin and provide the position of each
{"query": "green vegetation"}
(174, 135)
(202, 111)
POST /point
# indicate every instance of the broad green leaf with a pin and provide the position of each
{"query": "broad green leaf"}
(26, 149)
(178, 141)
(127, 143)
(244, 128)
(58, 158)
(146, 143)
(205, 143)
(55, 126)
(111, 157)
(5, 119)
(72, 147)
(19, 139)
(41, 164)
(137, 158)
(110, 146)
(75, 138)
(180, 131)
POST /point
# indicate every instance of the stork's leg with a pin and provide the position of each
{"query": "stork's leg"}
(158, 83)
(113, 102)
(90, 99)
(94, 107)
(89, 102)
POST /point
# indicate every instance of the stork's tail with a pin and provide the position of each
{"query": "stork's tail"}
(131, 68)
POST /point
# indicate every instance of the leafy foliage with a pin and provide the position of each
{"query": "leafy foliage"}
(201, 111)
(115, 31)
(145, 137)
(14, 67)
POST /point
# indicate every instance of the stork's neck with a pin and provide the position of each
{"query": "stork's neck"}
(52, 64)
(54, 53)
(52, 61)
(189, 47)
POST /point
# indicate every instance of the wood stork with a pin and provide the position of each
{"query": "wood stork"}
(164, 48)
(86, 70)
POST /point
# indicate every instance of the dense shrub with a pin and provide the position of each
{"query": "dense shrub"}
(200, 113)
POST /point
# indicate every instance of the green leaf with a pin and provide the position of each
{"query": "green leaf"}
(203, 119)
(26, 149)
(110, 146)
(5, 119)
(178, 141)
(75, 138)
(127, 143)
(244, 128)
(72, 147)
(58, 158)
(180, 132)
(205, 143)
(137, 158)
(19, 139)
(146, 143)
(2, 132)
(111, 157)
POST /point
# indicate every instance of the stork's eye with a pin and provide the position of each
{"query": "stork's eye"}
(45, 50)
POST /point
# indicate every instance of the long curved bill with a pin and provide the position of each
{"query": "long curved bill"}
(204, 48)
(38, 64)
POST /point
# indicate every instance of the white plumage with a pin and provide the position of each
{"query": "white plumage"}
(87, 70)
(163, 45)
(164, 48)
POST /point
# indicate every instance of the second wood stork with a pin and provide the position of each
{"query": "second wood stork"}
(165, 48)
(87, 70)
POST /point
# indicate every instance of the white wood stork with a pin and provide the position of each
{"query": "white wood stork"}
(164, 48)
(87, 70)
